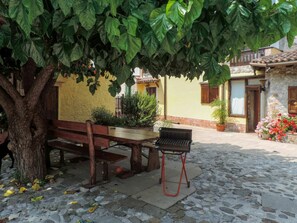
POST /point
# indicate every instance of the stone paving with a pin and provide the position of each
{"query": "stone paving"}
(243, 179)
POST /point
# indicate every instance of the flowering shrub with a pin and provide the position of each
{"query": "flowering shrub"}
(277, 129)
(263, 127)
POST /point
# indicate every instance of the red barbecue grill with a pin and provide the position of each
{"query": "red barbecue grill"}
(175, 142)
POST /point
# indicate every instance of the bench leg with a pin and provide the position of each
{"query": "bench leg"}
(48, 157)
(62, 161)
(105, 176)
(136, 159)
(153, 160)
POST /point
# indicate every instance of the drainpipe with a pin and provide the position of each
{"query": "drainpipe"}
(165, 97)
(262, 107)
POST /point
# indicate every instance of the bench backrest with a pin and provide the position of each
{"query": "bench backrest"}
(79, 132)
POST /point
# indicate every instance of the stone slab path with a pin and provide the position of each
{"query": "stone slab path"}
(243, 179)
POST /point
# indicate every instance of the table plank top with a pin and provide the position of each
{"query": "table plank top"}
(127, 135)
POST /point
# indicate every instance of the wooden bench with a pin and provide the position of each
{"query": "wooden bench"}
(82, 139)
(153, 156)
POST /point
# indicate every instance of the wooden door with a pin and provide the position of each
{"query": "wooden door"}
(52, 104)
(253, 107)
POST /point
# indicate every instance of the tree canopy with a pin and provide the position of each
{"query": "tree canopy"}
(174, 37)
(94, 38)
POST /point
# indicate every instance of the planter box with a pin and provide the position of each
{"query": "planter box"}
(291, 138)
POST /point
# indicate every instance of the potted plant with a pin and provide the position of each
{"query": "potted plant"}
(219, 113)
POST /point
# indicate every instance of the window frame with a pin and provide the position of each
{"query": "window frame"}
(244, 99)
(290, 88)
(209, 91)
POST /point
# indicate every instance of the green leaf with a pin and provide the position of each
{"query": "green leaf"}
(17, 44)
(34, 49)
(62, 52)
(160, 23)
(85, 12)
(124, 75)
(77, 52)
(150, 42)
(130, 44)
(238, 16)
(65, 6)
(34, 8)
(58, 18)
(19, 12)
(24, 12)
(176, 11)
(112, 90)
(210, 64)
(130, 81)
(286, 26)
(169, 45)
(114, 4)
(131, 24)
(193, 11)
(112, 26)
(93, 88)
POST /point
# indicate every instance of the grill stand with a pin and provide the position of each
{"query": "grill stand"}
(183, 172)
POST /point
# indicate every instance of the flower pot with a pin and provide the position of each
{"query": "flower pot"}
(221, 127)
(265, 136)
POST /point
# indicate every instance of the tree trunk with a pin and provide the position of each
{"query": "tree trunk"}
(28, 144)
(26, 120)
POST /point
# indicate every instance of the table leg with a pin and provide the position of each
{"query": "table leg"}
(136, 159)
(153, 160)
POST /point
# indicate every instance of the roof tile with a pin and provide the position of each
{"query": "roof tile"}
(278, 58)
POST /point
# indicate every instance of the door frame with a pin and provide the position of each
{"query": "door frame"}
(247, 89)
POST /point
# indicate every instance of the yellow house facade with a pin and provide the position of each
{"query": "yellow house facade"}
(182, 101)
(75, 102)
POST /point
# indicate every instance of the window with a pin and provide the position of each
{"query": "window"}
(151, 90)
(208, 94)
(237, 98)
(292, 100)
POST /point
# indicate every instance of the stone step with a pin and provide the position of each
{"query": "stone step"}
(279, 202)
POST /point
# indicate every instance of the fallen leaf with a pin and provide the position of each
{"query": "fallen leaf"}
(8, 193)
(70, 191)
(39, 198)
(73, 202)
(36, 181)
(49, 177)
(22, 190)
(1, 186)
(36, 186)
(93, 208)
(13, 180)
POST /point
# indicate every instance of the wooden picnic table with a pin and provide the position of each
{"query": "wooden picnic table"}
(133, 138)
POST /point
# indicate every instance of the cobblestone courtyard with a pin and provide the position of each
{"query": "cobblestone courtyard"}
(243, 179)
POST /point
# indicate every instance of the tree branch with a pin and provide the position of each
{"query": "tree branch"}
(36, 89)
(9, 88)
(6, 102)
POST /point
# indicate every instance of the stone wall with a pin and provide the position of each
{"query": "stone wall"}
(241, 69)
(280, 78)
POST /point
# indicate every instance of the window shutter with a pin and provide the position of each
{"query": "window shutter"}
(292, 100)
(204, 93)
(213, 93)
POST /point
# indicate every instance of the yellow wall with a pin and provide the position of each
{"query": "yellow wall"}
(184, 99)
(76, 102)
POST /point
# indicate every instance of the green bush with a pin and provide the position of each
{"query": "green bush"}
(139, 110)
(102, 116)
(220, 112)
